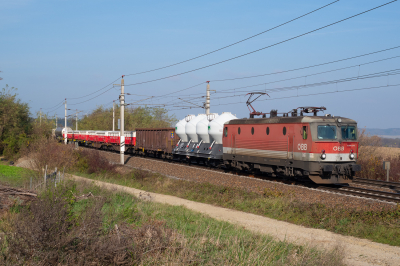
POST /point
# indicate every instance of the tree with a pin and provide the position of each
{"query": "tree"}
(15, 123)
(101, 118)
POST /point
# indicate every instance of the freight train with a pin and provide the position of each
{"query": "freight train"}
(323, 149)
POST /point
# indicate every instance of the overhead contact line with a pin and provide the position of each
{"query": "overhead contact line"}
(306, 95)
(266, 47)
(227, 46)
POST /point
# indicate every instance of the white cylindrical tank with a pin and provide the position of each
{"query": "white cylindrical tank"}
(202, 128)
(189, 117)
(180, 130)
(190, 127)
(216, 127)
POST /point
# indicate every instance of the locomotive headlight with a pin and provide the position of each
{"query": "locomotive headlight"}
(323, 155)
(351, 155)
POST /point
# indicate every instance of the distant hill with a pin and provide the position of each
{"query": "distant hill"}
(383, 132)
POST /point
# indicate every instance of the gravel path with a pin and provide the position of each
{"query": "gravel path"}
(357, 251)
(304, 194)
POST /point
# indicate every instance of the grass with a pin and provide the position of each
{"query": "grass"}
(14, 176)
(195, 238)
(378, 226)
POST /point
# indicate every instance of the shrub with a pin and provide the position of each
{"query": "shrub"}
(48, 152)
(60, 228)
(92, 161)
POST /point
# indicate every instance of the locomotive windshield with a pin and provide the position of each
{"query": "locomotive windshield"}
(327, 132)
(349, 132)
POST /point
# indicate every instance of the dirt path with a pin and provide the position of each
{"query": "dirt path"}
(358, 251)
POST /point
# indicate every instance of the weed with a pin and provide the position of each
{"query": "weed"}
(278, 205)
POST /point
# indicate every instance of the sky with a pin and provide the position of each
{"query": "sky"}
(52, 50)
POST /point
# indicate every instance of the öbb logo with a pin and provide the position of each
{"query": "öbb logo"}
(302, 147)
(338, 148)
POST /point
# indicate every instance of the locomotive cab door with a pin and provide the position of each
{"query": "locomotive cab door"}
(290, 142)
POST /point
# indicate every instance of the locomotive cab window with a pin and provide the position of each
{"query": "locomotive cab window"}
(327, 132)
(239, 130)
(304, 132)
(284, 131)
(349, 132)
(226, 132)
(267, 130)
(252, 131)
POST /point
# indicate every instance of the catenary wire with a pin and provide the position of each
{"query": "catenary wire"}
(72, 98)
(227, 46)
(355, 78)
(237, 56)
(302, 86)
(303, 76)
(373, 75)
(291, 70)
(80, 97)
(53, 106)
(236, 90)
(301, 68)
(304, 95)
(274, 73)
(266, 47)
(56, 108)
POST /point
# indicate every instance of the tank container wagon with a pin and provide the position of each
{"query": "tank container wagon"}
(201, 137)
(323, 149)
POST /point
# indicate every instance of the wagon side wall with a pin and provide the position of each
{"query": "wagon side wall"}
(156, 139)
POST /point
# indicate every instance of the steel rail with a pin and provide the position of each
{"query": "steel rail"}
(365, 193)
(377, 183)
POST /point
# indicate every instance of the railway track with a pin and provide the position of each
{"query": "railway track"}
(363, 192)
(342, 190)
(377, 183)
(345, 190)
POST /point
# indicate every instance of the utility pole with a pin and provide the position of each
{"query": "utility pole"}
(208, 99)
(76, 119)
(113, 115)
(65, 128)
(40, 116)
(122, 135)
(55, 117)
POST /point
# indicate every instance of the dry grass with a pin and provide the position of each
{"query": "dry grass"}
(386, 153)
(56, 228)
(371, 156)
(117, 229)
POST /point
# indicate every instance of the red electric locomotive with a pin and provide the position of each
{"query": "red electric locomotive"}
(321, 148)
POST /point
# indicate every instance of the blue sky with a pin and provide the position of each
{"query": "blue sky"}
(51, 50)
